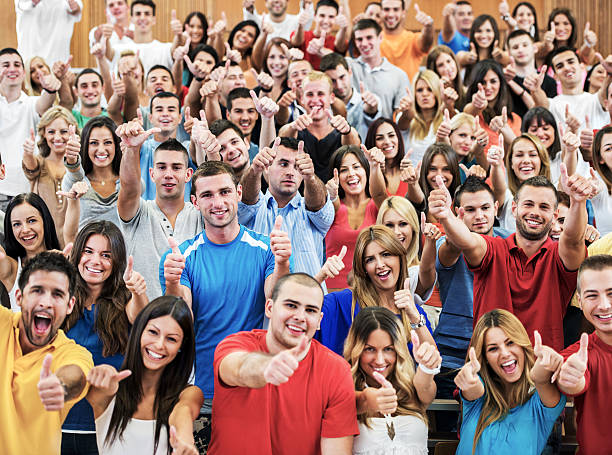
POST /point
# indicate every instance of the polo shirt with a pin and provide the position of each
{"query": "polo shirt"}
(536, 290)
(403, 50)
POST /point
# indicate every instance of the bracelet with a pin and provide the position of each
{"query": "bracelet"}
(422, 322)
(347, 133)
(432, 371)
(52, 92)
(199, 79)
(263, 90)
(72, 166)
(523, 92)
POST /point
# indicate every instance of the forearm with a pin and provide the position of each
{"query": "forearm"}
(425, 386)
(244, 369)
(114, 108)
(267, 133)
(251, 186)
(257, 54)
(65, 95)
(472, 110)
(427, 37)
(71, 220)
(44, 102)
(129, 174)
(572, 237)
(448, 254)
(474, 392)
(282, 116)
(107, 80)
(193, 99)
(540, 98)
(315, 194)
(177, 74)
(448, 28)
(459, 234)
(427, 267)
(131, 103)
(212, 108)
(377, 186)
(73, 379)
(404, 118)
(341, 42)
(30, 162)
(280, 269)
(570, 158)
(499, 184)
(586, 54)
(602, 93)
(135, 305)
(351, 138)
(298, 37)
(415, 194)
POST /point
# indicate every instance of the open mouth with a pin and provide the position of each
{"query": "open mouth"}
(42, 323)
(218, 213)
(509, 367)
(28, 239)
(101, 156)
(154, 355)
(533, 223)
(295, 329)
(603, 317)
(353, 182)
(383, 275)
(245, 124)
(380, 370)
(93, 270)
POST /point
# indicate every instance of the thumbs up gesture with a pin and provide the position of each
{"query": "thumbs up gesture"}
(370, 101)
(404, 301)
(175, 25)
(533, 82)
(467, 378)
(590, 38)
(134, 281)
(548, 362)
(571, 375)
(479, 99)
(282, 366)
(440, 200)
(30, 143)
(265, 106)
(179, 446)
(174, 264)
(425, 353)
(332, 267)
(332, 186)
(132, 134)
(430, 231)
(421, 17)
(382, 399)
(316, 45)
(444, 130)
(500, 122)
(280, 244)
(50, 389)
(106, 379)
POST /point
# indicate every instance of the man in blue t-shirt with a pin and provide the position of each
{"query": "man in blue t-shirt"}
(224, 273)
(456, 283)
(458, 19)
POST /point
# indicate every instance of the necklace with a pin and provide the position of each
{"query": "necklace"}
(102, 181)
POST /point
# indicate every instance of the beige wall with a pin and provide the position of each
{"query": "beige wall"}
(598, 12)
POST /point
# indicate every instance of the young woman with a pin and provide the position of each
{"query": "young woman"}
(484, 45)
(109, 295)
(524, 17)
(386, 136)
(602, 162)
(196, 27)
(276, 64)
(562, 23)
(28, 230)
(46, 170)
(381, 278)
(442, 60)
(205, 56)
(95, 161)
(502, 412)
(526, 158)
(34, 67)
(426, 115)
(489, 99)
(595, 78)
(137, 408)
(357, 188)
(241, 39)
(391, 396)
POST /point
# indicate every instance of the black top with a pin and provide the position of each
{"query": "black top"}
(321, 151)
(519, 108)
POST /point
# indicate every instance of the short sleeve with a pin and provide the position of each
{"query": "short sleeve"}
(237, 342)
(340, 414)
(488, 257)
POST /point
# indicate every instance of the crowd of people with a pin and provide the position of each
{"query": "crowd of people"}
(295, 236)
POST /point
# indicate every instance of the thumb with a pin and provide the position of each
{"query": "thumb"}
(472, 48)
(336, 177)
(382, 380)
(71, 131)
(298, 351)
(254, 72)
(464, 168)
(361, 87)
(415, 341)
(423, 221)
(173, 244)
(300, 147)
(582, 352)
(500, 141)
(407, 282)
(496, 43)
(446, 115)
(480, 87)
(123, 374)
(512, 62)
(440, 182)
(587, 122)
(69, 61)
(537, 342)
(187, 113)
(323, 35)
(342, 252)
(278, 223)
(587, 27)
(408, 153)
(173, 14)
(416, 8)
(593, 173)
(227, 48)
(418, 168)
(474, 361)
(223, 16)
(67, 249)
(45, 371)
(564, 175)
(129, 269)
(33, 136)
(152, 130)
(254, 97)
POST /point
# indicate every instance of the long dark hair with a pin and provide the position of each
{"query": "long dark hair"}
(439, 148)
(542, 116)
(204, 22)
(571, 41)
(173, 378)
(193, 53)
(503, 96)
(478, 22)
(239, 26)
(99, 122)
(336, 161)
(604, 171)
(371, 138)
(112, 325)
(14, 249)
(535, 33)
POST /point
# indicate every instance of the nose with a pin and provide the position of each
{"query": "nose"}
(379, 261)
(380, 358)
(396, 229)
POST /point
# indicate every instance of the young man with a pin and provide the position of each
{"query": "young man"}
(19, 113)
(118, 28)
(322, 132)
(308, 217)
(361, 108)
(150, 51)
(320, 41)
(378, 76)
(150, 223)
(89, 87)
(458, 18)
(403, 48)
(44, 372)
(44, 28)
(233, 146)
(280, 389)
(475, 202)
(586, 373)
(202, 270)
(289, 104)
(529, 274)
(279, 23)
(242, 111)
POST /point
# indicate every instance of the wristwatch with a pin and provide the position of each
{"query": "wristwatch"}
(422, 322)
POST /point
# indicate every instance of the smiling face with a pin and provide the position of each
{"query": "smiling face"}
(491, 84)
(386, 140)
(462, 139)
(101, 147)
(56, 135)
(28, 228)
(204, 58)
(277, 62)
(605, 151)
(96, 263)
(195, 29)
(244, 38)
(424, 95)
(557, 226)
(522, 49)
(89, 89)
(170, 173)
(325, 17)
(524, 18)
(143, 18)
(392, 13)
(596, 300)
(563, 27)
(297, 72)
(15, 73)
(378, 355)
(159, 80)
(317, 97)
(37, 64)
(352, 175)
(479, 211)
(374, 12)
(485, 35)
(598, 76)
(525, 160)
(160, 342)
(535, 212)
(341, 79)
(439, 166)
(276, 7)
(166, 115)
(567, 68)
(368, 43)
(233, 79)
(446, 66)
(400, 226)
(283, 177)
(464, 17)
(243, 114)
(234, 150)
(504, 356)
(217, 199)
(382, 267)
(545, 132)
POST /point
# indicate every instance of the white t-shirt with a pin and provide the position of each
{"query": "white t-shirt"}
(580, 106)
(16, 119)
(45, 30)
(151, 54)
(602, 206)
(582, 168)
(410, 437)
(281, 29)
(418, 146)
(505, 215)
(114, 39)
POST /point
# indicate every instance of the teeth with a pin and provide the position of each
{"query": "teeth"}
(384, 274)
(380, 370)
(604, 317)
(508, 363)
(295, 328)
(155, 355)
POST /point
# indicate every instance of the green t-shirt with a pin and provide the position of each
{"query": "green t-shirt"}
(82, 120)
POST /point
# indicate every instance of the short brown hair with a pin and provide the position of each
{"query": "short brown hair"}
(210, 168)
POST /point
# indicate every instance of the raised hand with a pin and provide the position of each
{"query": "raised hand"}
(591, 234)
(175, 25)
(533, 82)
(134, 281)
(481, 135)
(382, 399)
(404, 301)
(341, 20)
(571, 120)
(549, 36)
(440, 200)
(479, 99)
(265, 106)
(449, 97)
(578, 188)
(495, 155)
(338, 123)
(232, 54)
(569, 141)
(421, 17)
(407, 102)
(287, 99)
(510, 70)
(292, 53)
(425, 353)
(266, 27)
(547, 361)
(590, 37)
(264, 80)
(280, 244)
(181, 51)
(264, 158)
(409, 173)
(586, 135)
(332, 267)
(304, 18)
(78, 190)
(444, 130)
(475, 170)
(504, 8)
(220, 25)
(49, 82)
(573, 369)
(106, 378)
(180, 447)
(500, 122)
(430, 231)
(282, 366)
(370, 101)
(60, 69)
(467, 377)
(302, 122)
(496, 53)
(50, 389)
(472, 55)
(449, 9)
(132, 133)
(304, 164)
(209, 89)
(98, 50)
(30, 144)
(606, 63)
(316, 45)
(174, 264)
(332, 186)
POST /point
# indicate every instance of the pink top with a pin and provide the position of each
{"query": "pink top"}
(341, 234)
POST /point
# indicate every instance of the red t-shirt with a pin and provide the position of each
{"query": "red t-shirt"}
(536, 290)
(594, 405)
(317, 402)
(341, 233)
(315, 60)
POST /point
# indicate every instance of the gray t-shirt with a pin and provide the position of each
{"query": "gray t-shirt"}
(146, 238)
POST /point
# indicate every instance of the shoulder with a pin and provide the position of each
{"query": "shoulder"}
(254, 239)
(241, 342)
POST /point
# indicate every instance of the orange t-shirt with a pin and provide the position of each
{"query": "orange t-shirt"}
(403, 50)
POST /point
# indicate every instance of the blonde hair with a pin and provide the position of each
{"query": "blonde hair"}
(315, 76)
(405, 209)
(513, 181)
(497, 399)
(49, 117)
(401, 377)
(29, 87)
(418, 127)
(457, 122)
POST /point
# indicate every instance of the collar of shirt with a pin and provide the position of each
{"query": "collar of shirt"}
(384, 66)
(512, 245)
(355, 99)
(270, 202)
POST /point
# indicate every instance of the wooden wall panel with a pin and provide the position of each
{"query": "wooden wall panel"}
(598, 12)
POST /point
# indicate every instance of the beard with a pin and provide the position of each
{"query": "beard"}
(523, 229)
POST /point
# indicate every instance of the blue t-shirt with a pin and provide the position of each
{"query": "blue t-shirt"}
(227, 288)
(456, 286)
(524, 430)
(80, 417)
(337, 319)
(458, 42)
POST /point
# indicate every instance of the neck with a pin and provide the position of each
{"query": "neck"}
(30, 254)
(150, 381)
(530, 247)
(428, 115)
(526, 69)
(483, 54)
(277, 19)
(605, 337)
(387, 299)
(94, 292)
(170, 207)
(373, 61)
(390, 170)
(281, 199)
(320, 127)
(165, 135)
(396, 31)
(274, 347)
(576, 89)
(124, 22)
(10, 92)
(348, 97)
(91, 111)
(56, 158)
(143, 36)
(103, 173)
(354, 200)
(224, 234)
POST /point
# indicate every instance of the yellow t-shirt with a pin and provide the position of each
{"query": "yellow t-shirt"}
(25, 426)
(601, 246)
(403, 50)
